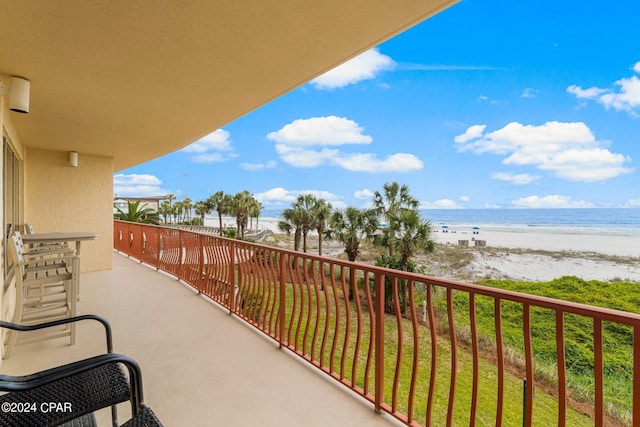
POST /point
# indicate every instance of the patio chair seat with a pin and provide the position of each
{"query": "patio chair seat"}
(144, 418)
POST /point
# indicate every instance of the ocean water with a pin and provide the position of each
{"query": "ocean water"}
(607, 221)
(610, 221)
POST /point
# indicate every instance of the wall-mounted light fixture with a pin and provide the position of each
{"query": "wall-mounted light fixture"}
(19, 96)
(73, 159)
(18, 91)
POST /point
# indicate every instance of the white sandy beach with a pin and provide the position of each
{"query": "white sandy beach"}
(589, 256)
(595, 256)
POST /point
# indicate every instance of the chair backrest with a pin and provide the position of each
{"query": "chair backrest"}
(16, 247)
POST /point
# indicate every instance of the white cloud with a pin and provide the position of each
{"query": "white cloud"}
(137, 185)
(464, 199)
(217, 140)
(589, 93)
(400, 162)
(552, 201)
(303, 143)
(471, 133)
(277, 197)
(302, 158)
(365, 193)
(365, 66)
(530, 93)
(516, 179)
(633, 203)
(208, 158)
(626, 97)
(325, 131)
(451, 67)
(440, 204)
(210, 148)
(258, 167)
(568, 150)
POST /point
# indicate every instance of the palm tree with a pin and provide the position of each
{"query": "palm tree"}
(305, 207)
(406, 234)
(178, 211)
(254, 210)
(219, 202)
(321, 213)
(410, 234)
(135, 213)
(187, 205)
(170, 198)
(394, 200)
(202, 208)
(351, 227)
(240, 207)
(291, 220)
(165, 209)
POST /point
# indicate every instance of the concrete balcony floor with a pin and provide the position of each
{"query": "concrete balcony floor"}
(200, 366)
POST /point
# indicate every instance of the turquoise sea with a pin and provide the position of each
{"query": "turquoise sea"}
(579, 221)
(609, 221)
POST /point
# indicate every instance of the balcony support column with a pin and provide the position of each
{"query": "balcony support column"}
(283, 299)
(232, 277)
(379, 337)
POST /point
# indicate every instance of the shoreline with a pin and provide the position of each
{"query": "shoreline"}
(533, 254)
(614, 241)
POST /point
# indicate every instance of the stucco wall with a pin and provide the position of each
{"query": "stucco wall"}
(62, 198)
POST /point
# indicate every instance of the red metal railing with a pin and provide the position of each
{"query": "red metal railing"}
(334, 315)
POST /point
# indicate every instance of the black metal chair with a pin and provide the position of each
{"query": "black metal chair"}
(82, 387)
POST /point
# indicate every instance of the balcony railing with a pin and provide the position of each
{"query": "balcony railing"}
(408, 343)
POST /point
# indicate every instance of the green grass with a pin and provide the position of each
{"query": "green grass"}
(302, 322)
(617, 339)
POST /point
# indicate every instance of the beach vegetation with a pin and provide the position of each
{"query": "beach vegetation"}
(291, 222)
(137, 213)
(352, 227)
(307, 213)
(578, 333)
(321, 214)
(404, 235)
(221, 203)
(165, 209)
(242, 206)
(390, 204)
(400, 369)
(201, 208)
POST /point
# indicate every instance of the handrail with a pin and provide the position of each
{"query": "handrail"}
(330, 313)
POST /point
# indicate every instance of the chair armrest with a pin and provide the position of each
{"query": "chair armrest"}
(102, 320)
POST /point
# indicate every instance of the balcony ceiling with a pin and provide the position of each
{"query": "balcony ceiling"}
(137, 80)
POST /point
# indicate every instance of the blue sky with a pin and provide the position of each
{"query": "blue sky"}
(489, 104)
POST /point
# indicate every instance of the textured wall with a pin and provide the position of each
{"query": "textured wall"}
(62, 198)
